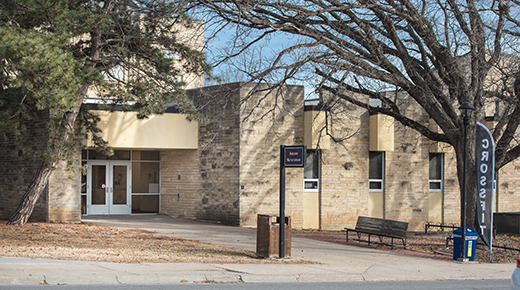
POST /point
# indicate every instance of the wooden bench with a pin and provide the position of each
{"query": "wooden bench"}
(381, 228)
(442, 226)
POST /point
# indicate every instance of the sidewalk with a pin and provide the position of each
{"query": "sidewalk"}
(335, 262)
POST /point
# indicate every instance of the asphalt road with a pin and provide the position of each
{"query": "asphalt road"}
(401, 285)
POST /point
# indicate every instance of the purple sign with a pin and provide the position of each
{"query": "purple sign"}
(294, 156)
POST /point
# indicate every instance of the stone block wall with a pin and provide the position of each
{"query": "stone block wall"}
(239, 152)
(268, 121)
(239, 164)
(64, 197)
(218, 163)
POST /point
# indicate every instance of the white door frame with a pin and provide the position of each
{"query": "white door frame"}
(109, 207)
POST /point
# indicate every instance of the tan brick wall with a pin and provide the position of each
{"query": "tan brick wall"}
(508, 185)
(344, 176)
(451, 204)
(238, 165)
(344, 170)
(180, 183)
(407, 174)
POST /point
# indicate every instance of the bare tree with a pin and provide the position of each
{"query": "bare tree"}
(441, 53)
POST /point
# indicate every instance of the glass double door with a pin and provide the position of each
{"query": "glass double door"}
(109, 187)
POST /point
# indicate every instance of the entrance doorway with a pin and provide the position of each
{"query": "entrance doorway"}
(109, 187)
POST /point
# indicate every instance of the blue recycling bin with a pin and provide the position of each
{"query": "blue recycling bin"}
(470, 246)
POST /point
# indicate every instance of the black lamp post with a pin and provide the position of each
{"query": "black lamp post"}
(465, 108)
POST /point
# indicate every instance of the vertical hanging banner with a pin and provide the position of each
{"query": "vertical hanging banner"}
(485, 171)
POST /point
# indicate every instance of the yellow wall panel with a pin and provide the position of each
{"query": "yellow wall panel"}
(435, 146)
(435, 207)
(167, 131)
(376, 205)
(381, 133)
(311, 210)
(315, 135)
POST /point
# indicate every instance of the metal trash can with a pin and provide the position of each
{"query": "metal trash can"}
(268, 235)
(470, 246)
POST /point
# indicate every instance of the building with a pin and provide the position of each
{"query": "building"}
(228, 170)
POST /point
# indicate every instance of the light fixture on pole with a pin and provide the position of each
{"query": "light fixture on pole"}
(465, 108)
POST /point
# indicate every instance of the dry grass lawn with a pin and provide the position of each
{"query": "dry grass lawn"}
(87, 242)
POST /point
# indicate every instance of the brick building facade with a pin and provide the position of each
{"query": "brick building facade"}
(231, 173)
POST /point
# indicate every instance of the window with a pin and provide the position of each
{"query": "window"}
(436, 168)
(145, 177)
(115, 74)
(376, 171)
(311, 172)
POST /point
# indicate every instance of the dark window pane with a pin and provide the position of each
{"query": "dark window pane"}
(98, 184)
(312, 166)
(435, 166)
(145, 203)
(375, 185)
(120, 155)
(83, 180)
(435, 185)
(146, 155)
(375, 165)
(311, 184)
(119, 184)
(94, 155)
(145, 177)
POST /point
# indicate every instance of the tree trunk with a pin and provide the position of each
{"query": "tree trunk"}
(31, 196)
(470, 176)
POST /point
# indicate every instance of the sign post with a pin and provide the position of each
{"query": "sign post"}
(485, 176)
(290, 156)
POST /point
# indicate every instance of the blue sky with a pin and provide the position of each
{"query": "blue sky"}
(265, 48)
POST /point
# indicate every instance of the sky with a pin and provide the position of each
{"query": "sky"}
(227, 72)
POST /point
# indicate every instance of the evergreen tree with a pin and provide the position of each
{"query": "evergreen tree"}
(52, 52)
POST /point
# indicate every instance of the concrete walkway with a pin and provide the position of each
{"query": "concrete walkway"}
(336, 262)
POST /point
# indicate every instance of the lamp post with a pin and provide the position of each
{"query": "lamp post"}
(465, 108)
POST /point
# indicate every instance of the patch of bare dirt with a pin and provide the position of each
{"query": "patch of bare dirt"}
(88, 242)
(506, 247)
